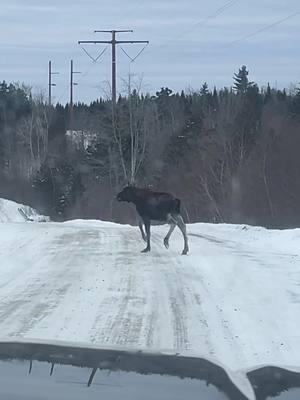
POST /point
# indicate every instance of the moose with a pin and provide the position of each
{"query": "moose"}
(156, 206)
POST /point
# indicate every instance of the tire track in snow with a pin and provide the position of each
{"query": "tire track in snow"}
(123, 325)
(13, 253)
(218, 317)
(152, 321)
(176, 297)
(77, 309)
(22, 292)
(186, 302)
(40, 292)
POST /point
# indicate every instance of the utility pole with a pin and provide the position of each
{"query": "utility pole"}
(113, 43)
(72, 84)
(50, 84)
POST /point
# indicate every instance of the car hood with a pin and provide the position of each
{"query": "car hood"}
(61, 367)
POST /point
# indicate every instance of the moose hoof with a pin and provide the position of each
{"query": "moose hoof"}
(146, 250)
(166, 243)
(184, 252)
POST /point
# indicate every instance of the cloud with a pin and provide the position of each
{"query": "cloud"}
(183, 50)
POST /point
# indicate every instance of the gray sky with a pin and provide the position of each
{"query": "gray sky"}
(183, 51)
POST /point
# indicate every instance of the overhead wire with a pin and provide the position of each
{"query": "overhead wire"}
(220, 11)
(94, 61)
(200, 23)
(132, 59)
(138, 54)
(91, 57)
(216, 13)
(196, 25)
(211, 16)
(263, 29)
(92, 64)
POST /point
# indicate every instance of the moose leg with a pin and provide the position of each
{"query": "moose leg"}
(166, 239)
(142, 231)
(147, 227)
(182, 227)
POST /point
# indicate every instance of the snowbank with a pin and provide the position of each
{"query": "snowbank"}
(14, 212)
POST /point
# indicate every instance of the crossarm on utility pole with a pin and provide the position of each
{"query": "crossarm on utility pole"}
(125, 30)
(131, 41)
(94, 41)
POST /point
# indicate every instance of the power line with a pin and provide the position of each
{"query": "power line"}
(215, 14)
(93, 63)
(113, 42)
(267, 27)
(201, 23)
(91, 57)
(132, 59)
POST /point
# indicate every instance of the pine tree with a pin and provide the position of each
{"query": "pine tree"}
(268, 90)
(268, 93)
(242, 84)
(204, 89)
(295, 107)
(281, 95)
(164, 92)
(215, 99)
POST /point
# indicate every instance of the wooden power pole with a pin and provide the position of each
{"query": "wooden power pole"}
(50, 84)
(72, 84)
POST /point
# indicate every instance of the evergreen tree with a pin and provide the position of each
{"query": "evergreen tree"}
(242, 84)
(164, 93)
(268, 93)
(215, 99)
(268, 90)
(204, 89)
(295, 103)
(281, 95)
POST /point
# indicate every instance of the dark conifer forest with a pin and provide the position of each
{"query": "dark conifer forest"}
(232, 154)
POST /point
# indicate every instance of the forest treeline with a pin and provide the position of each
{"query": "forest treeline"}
(231, 155)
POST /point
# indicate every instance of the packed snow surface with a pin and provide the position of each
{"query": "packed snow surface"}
(234, 299)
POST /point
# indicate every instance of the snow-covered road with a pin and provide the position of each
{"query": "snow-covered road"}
(235, 298)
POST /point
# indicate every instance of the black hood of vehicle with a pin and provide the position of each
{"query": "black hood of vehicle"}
(37, 371)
